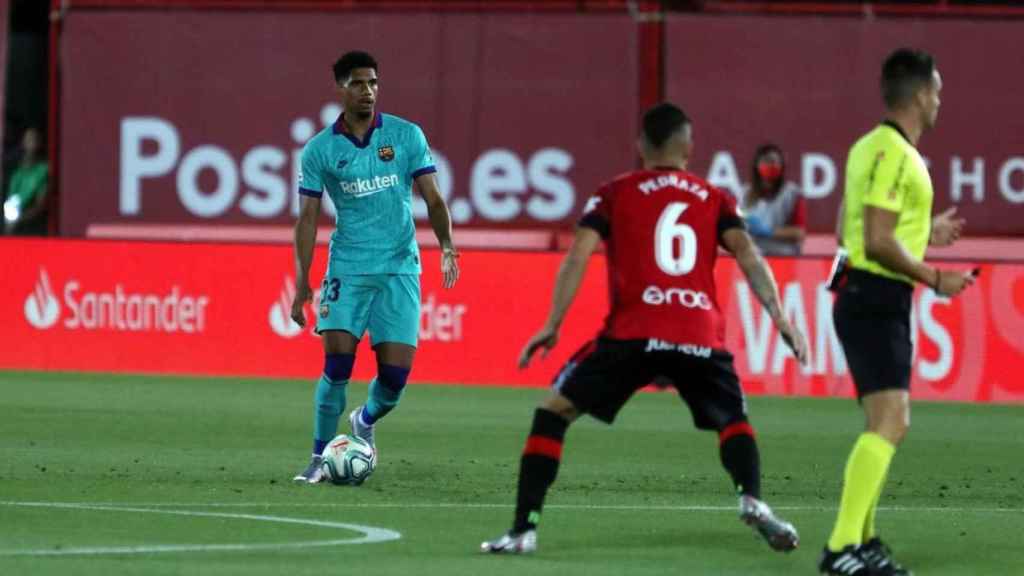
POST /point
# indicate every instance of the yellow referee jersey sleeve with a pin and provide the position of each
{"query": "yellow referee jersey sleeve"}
(885, 171)
(886, 187)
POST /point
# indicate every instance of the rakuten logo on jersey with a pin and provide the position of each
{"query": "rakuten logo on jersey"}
(41, 306)
(366, 187)
(684, 297)
(116, 309)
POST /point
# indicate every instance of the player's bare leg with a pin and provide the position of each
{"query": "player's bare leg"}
(339, 357)
(394, 362)
(538, 468)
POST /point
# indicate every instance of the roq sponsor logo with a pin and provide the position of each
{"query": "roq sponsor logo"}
(116, 310)
(685, 297)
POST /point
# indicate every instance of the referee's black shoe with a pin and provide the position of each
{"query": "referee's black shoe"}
(846, 562)
(879, 558)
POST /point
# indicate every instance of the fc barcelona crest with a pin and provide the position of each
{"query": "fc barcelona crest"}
(386, 153)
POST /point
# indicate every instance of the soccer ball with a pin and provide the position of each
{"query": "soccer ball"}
(349, 460)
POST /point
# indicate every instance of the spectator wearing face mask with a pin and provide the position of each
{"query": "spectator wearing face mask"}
(774, 209)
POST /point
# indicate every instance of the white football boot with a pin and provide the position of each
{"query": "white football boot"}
(779, 534)
(509, 543)
(358, 429)
(313, 474)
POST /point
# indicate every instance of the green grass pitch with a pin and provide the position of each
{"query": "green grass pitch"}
(204, 465)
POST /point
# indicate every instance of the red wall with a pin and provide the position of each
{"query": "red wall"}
(193, 117)
(811, 85)
(224, 312)
(527, 111)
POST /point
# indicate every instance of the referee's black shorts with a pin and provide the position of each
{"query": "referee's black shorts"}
(872, 320)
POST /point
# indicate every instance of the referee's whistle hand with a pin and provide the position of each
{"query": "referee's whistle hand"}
(946, 228)
(953, 282)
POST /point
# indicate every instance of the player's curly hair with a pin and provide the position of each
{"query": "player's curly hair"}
(349, 61)
(904, 72)
(661, 122)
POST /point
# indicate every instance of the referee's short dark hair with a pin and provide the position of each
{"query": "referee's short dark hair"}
(661, 122)
(904, 73)
(349, 61)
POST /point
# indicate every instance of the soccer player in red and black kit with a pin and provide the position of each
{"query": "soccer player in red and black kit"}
(662, 227)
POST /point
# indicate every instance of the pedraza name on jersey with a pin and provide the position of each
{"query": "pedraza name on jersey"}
(366, 186)
(673, 181)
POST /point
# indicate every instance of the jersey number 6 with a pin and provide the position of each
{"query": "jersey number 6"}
(666, 235)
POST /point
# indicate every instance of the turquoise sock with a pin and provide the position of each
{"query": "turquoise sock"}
(330, 403)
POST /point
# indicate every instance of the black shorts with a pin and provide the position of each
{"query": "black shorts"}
(872, 319)
(605, 373)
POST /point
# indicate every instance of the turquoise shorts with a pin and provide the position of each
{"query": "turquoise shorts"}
(388, 305)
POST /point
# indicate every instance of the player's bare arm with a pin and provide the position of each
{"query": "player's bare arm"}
(762, 281)
(441, 222)
(946, 228)
(567, 283)
(305, 241)
(881, 245)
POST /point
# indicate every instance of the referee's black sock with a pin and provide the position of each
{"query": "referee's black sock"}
(738, 449)
(538, 467)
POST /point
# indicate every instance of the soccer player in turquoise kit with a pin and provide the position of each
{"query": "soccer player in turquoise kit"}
(367, 162)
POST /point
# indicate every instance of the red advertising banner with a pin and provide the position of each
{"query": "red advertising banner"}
(198, 117)
(223, 310)
(811, 84)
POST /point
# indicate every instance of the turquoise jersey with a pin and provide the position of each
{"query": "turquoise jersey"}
(370, 183)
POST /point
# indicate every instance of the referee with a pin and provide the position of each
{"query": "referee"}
(885, 226)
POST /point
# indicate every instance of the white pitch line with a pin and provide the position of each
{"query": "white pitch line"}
(484, 505)
(370, 534)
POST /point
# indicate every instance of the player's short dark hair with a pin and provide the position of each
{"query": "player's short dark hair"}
(904, 73)
(349, 61)
(661, 122)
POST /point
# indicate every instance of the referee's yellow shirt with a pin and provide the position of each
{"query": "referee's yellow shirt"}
(883, 169)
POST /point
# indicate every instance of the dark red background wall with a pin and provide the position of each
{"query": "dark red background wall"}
(528, 110)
